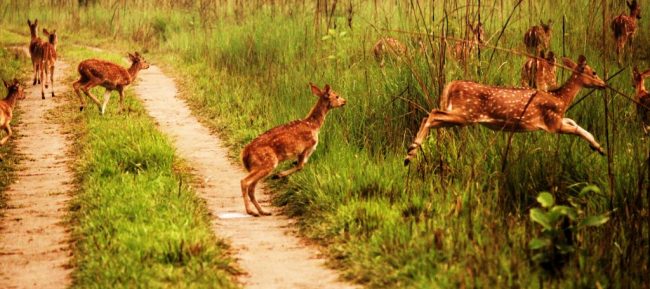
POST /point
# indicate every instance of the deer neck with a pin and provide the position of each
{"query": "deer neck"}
(317, 115)
(133, 71)
(33, 33)
(569, 90)
(11, 99)
(640, 89)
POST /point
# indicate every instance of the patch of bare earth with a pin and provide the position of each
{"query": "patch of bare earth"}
(266, 248)
(34, 250)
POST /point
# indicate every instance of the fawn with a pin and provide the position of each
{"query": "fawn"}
(35, 50)
(49, 59)
(111, 76)
(625, 27)
(463, 49)
(294, 139)
(538, 37)
(539, 72)
(14, 93)
(642, 97)
(511, 109)
(388, 46)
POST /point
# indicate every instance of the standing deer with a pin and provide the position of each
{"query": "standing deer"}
(463, 49)
(14, 93)
(48, 60)
(539, 72)
(111, 76)
(511, 109)
(295, 139)
(642, 98)
(388, 46)
(625, 27)
(35, 50)
(538, 37)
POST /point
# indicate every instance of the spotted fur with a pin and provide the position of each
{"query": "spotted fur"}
(539, 72)
(511, 109)
(388, 47)
(111, 76)
(35, 49)
(48, 61)
(625, 27)
(538, 37)
(463, 49)
(296, 139)
(15, 92)
(642, 97)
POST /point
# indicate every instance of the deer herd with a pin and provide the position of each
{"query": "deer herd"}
(539, 105)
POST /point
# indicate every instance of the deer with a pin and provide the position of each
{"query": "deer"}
(388, 46)
(642, 98)
(625, 27)
(48, 60)
(111, 76)
(538, 37)
(35, 49)
(512, 109)
(539, 72)
(15, 92)
(296, 139)
(462, 49)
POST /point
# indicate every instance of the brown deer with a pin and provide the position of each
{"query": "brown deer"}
(295, 139)
(463, 49)
(48, 60)
(642, 97)
(539, 72)
(111, 76)
(511, 109)
(35, 50)
(538, 37)
(388, 46)
(14, 93)
(625, 27)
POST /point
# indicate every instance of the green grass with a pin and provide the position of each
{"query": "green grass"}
(137, 221)
(454, 218)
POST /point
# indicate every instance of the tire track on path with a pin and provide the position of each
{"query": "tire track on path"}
(266, 248)
(34, 242)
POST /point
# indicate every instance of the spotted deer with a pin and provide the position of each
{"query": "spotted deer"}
(47, 62)
(539, 72)
(642, 98)
(35, 49)
(463, 49)
(388, 47)
(511, 109)
(296, 139)
(111, 76)
(538, 37)
(625, 27)
(15, 92)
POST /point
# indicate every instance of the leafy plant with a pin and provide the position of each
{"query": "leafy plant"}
(560, 224)
(335, 39)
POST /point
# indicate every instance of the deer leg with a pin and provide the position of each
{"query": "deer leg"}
(436, 119)
(7, 129)
(35, 65)
(42, 72)
(107, 97)
(121, 92)
(569, 126)
(302, 160)
(77, 89)
(86, 89)
(52, 78)
(248, 190)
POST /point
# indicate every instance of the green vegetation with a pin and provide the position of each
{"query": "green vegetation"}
(457, 217)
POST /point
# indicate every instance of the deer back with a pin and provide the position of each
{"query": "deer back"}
(110, 75)
(389, 46)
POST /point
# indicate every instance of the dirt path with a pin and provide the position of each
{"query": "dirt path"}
(34, 251)
(266, 248)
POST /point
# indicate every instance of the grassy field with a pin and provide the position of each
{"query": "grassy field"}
(460, 215)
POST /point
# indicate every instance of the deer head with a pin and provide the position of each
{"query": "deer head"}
(479, 33)
(635, 9)
(638, 80)
(33, 26)
(14, 87)
(52, 38)
(137, 61)
(546, 26)
(327, 94)
(584, 73)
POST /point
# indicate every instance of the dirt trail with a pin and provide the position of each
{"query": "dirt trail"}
(266, 248)
(34, 251)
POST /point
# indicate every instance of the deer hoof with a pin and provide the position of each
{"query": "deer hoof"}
(252, 213)
(276, 177)
(52, 93)
(265, 213)
(42, 95)
(46, 86)
(407, 161)
(81, 108)
(599, 150)
(35, 81)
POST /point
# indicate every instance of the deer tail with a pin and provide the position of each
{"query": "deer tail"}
(246, 158)
(444, 97)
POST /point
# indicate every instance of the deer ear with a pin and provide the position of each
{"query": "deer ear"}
(29, 22)
(569, 63)
(137, 54)
(582, 60)
(550, 57)
(326, 89)
(6, 84)
(131, 56)
(45, 31)
(315, 90)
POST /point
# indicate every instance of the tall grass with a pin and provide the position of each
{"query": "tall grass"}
(456, 217)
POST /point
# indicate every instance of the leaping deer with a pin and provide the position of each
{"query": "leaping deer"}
(35, 49)
(295, 139)
(625, 27)
(511, 109)
(539, 72)
(642, 97)
(15, 92)
(49, 59)
(538, 37)
(111, 76)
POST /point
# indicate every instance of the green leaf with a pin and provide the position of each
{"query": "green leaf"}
(326, 37)
(540, 217)
(594, 221)
(343, 33)
(331, 32)
(545, 199)
(331, 57)
(566, 211)
(539, 243)
(589, 189)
